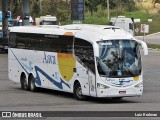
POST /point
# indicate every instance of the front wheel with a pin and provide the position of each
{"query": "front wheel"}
(78, 92)
(32, 85)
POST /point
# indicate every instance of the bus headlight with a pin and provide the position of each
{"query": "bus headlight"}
(139, 85)
(101, 86)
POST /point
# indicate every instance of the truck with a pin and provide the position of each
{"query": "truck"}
(46, 20)
(19, 21)
(4, 43)
(123, 22)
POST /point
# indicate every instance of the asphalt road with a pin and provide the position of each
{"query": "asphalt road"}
(12, 98)
(151, 39)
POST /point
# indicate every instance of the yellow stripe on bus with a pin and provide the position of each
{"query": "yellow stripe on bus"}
(66, 63)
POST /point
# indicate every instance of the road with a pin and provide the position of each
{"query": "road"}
(13, 98)
(151, 39)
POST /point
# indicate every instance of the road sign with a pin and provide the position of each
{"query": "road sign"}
(77, 9)
(144, 28)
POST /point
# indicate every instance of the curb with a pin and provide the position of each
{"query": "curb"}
(149, 34)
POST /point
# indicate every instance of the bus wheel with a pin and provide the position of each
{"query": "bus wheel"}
(32, 85)
(78, 92)
(24, 84)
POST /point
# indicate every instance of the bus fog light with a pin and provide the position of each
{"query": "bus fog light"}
(101, 86)
(139, 85)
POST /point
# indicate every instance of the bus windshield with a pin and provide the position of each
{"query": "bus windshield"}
(119, 58)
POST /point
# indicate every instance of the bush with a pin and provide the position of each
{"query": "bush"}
(148, 7)
(117, 11)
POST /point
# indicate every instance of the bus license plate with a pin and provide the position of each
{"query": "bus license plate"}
(122, 92)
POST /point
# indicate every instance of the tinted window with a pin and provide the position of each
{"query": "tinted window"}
(130, 26)
(28, 41)
(84, 51)
(62, 44)
(52, 43)
(12, 40)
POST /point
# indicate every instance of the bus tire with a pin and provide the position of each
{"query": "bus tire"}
(78, 92)
(32, 85)
(24, 83)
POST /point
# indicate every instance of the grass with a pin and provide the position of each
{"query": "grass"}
(153, 46)
(140, 15)
(144, 11)
(95, 20)
(153, 26)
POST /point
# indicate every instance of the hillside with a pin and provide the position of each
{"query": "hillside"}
(143, 11)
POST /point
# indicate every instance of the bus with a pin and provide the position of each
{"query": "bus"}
(86, 60)
(3, 42)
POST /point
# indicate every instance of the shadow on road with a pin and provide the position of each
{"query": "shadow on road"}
(88, 99)
(111, 101)
(3, 52)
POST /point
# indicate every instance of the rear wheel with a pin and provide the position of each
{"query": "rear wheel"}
(24, 84)
(32, 85)
(78, 91)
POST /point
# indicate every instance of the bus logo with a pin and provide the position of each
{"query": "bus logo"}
(6, 114)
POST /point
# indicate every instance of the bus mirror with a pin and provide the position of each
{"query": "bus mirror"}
(144, 46)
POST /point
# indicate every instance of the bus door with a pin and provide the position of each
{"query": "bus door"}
(92, 83)
(91, 72)
(84, 52)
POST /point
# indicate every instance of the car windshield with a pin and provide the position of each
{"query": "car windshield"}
(119, 58)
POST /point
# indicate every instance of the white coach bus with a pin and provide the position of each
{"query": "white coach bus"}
(86, 60)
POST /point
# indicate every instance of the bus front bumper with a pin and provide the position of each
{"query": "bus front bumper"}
(119, 92)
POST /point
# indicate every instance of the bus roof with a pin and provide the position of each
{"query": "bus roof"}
(84, 31)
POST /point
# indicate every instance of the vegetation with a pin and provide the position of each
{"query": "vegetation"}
(95, 10)
(140, 10)
(153, 46)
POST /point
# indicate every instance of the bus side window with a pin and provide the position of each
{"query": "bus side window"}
(33, 41)
(84, 51)
(62, 44)
(20, 41)
(27, 41)
(131, 26)
(42, 42)
(12, 40)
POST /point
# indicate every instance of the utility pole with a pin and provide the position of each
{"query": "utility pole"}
(40, 4)
(25, 11)
(5, 19)
(108, 9)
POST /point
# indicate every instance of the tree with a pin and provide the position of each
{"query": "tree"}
(92, 5)
(15, 6)
(0, 5)
(129, 4)
(35, 8)
(112, 3)
(155, 1)
(58, 8)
